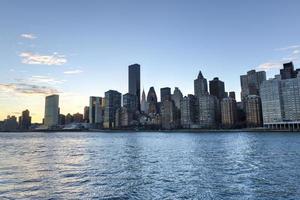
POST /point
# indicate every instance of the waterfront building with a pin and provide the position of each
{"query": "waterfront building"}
(124, 117)
(51, 111)
(25, 120)
(177, 97)
(86, 113)
(228, 112)
(78, 118)
(207, 111)
(96, 111)
(217, 88)
(189, 111)
(169, 115)
(61, 119)
(200, 85)
(69, 119)
(253, 111)
(10, 124)
(152, 101)
(165, 94)
(112, 104)
(144, 107)
(281, 101)
(134, 83)
(250, 83)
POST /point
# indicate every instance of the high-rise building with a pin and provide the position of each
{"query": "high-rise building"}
(96, 110)
(232, 95)
(228, 112)
(130, 102)
(134, 82)
(152, 101)
(251, 82)
(144, 107)
(61, 119)
(189, 111)
(112, 104)
(168, 115)
(200, 85)
(288, 71)
(51, 111)
(165, 94)
(124, 117)
(177, 97)
(86, 113)
(207, 111)
(253, 111)
(217, 88)
(271, 99)
(25, 120)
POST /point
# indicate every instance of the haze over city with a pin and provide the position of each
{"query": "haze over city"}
(84, 49)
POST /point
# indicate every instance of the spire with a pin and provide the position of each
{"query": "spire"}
(200, 75)
(143, 95)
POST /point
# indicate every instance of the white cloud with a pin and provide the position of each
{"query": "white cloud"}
(29, 36)
(76, 71)
(292, 47)
(41, 80)
(270, 65)
(27, 89)
(37, 59)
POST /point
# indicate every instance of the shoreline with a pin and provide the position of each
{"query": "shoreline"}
(159, 131)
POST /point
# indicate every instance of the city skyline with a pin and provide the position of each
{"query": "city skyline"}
(40, 58)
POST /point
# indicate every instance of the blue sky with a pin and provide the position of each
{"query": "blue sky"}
(82, 48)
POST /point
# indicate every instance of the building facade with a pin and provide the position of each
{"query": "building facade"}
(112, 104)
(189, 111)
(134, 83)
(51, 111)
(253, 111)
(250, 83)
(228, 112)
(217, 88)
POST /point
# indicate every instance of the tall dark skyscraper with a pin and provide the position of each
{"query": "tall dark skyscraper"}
(217, 88)
(152, 101)
(112, 104)
(165, 94)
(134, 82)
(251, 82)
(25, 120)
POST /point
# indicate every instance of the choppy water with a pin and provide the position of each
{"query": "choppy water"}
(149, 166)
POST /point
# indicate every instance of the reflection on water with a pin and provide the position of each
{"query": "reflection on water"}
(150, 165)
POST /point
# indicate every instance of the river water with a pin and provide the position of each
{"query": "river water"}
(90, 165)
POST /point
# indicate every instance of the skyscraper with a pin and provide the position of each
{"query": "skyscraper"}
(228, 112)
(168, 115)
(96, 110)
(232, 95)
(112, 104)
(200, 85)
(165, 94)
(207, 111)
(25, 120)
(177, 97)
(189, 111)
(130, 102)
(251, 82)
(86, 113)
(51, 111)
(134, 82)
(217, 88)
(152, 101)
(144, 103)
(253, 111)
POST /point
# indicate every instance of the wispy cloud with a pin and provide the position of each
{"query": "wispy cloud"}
(29, 36)
(288, 48)
(40, 80)
(37, 59)
(293, 56)
(27, 89)
(76, 71)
